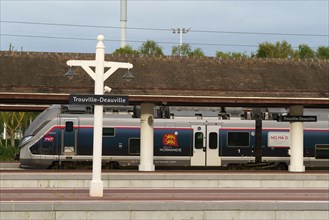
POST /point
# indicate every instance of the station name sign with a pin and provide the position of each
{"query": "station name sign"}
(297, 118)
(98, 100)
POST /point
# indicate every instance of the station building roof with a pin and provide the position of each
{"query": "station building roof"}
(170, 80)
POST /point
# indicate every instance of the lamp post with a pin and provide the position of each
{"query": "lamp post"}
(180, 31)
(96, 185)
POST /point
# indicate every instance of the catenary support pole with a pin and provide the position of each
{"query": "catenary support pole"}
(296, 141)
(147, 136)
(123, 20)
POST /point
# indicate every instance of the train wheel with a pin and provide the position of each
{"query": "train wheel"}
(112, 165)
(282, 166)
(55, 165)
(233, 166)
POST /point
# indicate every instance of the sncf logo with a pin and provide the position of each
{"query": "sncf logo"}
(48, 138)
(170, 140)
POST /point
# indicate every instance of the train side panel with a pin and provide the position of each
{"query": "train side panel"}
(184, 142)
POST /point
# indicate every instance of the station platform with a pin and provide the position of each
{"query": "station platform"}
(165, 204)
(165, 195)
(171, 179)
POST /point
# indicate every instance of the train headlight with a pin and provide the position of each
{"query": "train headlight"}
(25, 140)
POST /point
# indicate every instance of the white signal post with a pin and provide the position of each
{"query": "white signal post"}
(96, 185)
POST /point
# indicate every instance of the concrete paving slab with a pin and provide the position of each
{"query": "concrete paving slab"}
(284, 196)
(167, 179)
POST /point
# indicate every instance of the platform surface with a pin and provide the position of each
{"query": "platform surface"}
(165, 204)
(165, 195)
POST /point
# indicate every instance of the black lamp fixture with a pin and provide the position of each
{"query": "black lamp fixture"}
(70, 73)
(128, 76)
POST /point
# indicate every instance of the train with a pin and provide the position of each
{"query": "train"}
(62, 137)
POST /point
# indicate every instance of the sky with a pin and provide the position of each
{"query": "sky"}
(215, 25)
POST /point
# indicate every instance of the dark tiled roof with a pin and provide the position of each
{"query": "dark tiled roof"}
(44, 73)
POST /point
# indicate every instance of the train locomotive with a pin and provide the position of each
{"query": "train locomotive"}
(61, 137)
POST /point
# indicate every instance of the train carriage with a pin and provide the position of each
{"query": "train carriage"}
(59, 138)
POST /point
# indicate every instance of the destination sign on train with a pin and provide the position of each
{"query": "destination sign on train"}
(297, 118)
(98, 100)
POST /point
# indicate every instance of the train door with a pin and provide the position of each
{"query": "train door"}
(205, 146)
(69, 135)
(199, 146)
(213, 155)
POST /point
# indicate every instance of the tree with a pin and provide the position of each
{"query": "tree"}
(284, 50)
(197, 52)
(183, 50)
(186, 50)
(277, 50)
(222, 54)
(265, 50)
(16, 122)
(150, 48)
(304, 52)
(322, 52)
(127, 50)
(13, 121)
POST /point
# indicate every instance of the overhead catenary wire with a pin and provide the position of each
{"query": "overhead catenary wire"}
(167, 0)
(131, 41)
(164, 29)
(148, 29)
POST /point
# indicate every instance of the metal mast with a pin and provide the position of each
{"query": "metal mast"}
(123, 21)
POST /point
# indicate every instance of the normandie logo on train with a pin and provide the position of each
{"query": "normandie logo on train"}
(170, 140)
(170, 143)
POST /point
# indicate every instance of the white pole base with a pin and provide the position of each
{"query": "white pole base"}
(96, 188)
(146, 167)
(294, 168)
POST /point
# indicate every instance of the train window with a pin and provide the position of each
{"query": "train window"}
(238, 139)
(198, 140)
(43, 124)
(213, 143)
(108, 132)
(69, 126)
(322, 151)
(36, 148)
(134, 145)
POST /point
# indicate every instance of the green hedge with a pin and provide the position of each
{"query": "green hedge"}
(8, 153)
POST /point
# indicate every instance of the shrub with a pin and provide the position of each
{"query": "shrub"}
(8, 153)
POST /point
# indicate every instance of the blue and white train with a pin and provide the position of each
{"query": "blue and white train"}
(62, 138)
